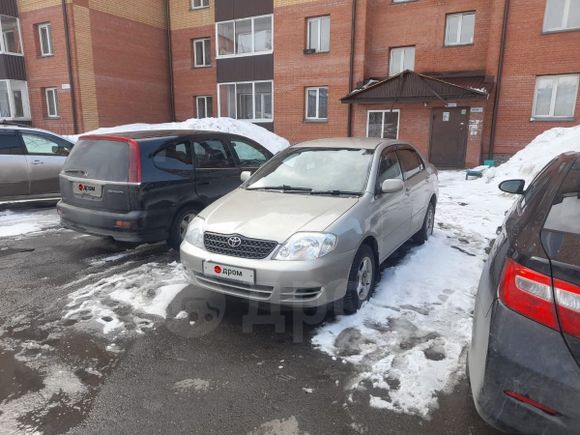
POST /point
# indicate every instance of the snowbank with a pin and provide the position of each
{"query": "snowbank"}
(271, 141)
(24, 223)
(529, 161)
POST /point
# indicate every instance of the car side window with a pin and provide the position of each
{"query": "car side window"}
(248, 155)
(38, 144)
(411, 163)
(175, 158)
(389, 168)
(212, 154)
(10, 144)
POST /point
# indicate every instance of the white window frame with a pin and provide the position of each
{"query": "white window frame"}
(383, 121)
(402, 65)
(25, 101)
(253, 83)
(203, 64)
(319, 42)
(54, 92)
(565, 17)
(48, 28)
(251, 53)
(554, 78)
(201, 4)
(2, 42)
(458, 42)
(205, 105)
(317, 117)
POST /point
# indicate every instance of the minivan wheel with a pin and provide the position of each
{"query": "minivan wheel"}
(428, 223)
(179, 227)
(361, 280)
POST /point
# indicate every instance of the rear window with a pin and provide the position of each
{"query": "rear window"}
(562, 226)
(100, 160)
(10, 144)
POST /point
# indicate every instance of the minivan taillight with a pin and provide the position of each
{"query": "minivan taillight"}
(529, 293)
(134, 162)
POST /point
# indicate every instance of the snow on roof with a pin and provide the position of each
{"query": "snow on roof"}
(271, 141)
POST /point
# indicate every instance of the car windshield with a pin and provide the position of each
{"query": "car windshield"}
(315, 171)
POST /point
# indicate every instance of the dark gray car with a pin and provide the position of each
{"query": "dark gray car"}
(30, 162)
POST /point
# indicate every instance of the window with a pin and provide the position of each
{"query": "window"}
(248, 155)
(37, 144)
(10, 42)
(45, 39)
(389, 168)
(318, 34)
(383, 123)
(403, 1)
(51, 102)
(201, 56)
(198, 4)
(317, 103)
(175, 158)
(10, 144)
(244, 37)
(562, 15)
(246, 100)
(212, 153)
(14, 103)
(555, 96)
(203, 107)
(402, 58)
(411, 163)
(460, 28)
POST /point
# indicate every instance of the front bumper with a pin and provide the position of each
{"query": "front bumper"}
(294, 283)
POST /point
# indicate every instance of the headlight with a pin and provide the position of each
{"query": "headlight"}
(194, 233)
(306, 246)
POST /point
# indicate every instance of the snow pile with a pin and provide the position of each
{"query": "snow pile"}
(530, 160)
(17, 223)
(264, 137)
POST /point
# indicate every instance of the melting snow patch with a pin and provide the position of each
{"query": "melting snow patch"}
(23, 223)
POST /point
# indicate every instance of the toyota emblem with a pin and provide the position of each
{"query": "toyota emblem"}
(234, 242)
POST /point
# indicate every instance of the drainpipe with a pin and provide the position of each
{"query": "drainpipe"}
(170, 61)
(499, 79)
(351, 71)
(70, 68)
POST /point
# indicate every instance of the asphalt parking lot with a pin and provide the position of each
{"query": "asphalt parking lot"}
(223, 367)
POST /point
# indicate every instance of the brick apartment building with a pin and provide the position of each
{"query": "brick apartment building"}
(461, 79)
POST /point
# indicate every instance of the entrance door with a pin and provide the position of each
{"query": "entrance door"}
(449, 137)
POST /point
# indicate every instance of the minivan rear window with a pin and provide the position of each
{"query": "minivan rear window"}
(104, 160)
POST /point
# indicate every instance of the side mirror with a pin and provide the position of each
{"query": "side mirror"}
(512, 186)
(245, 176)
(392, 186)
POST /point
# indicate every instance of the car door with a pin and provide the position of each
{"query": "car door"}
(14, 179)
(45, 156)
(393, 210)
(216, 172)
(417, 185)
(248, 154)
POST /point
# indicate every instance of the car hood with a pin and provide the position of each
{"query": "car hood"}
(273, 215)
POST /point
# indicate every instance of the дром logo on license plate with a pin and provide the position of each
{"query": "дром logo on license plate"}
(229, 272)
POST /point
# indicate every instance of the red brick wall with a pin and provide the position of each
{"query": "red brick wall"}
(44, 72)
(191, 82)
(294, 71)
(131, 70)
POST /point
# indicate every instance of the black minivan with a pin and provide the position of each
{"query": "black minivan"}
(524, 360)
(146, 186)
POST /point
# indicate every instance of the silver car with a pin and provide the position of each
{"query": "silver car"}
(312, 225)
(30, 161)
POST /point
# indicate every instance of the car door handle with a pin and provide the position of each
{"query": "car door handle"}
(37, 162)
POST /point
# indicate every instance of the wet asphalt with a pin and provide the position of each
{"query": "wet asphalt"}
(232, 369)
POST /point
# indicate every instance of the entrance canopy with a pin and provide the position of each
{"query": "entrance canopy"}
(411, 87)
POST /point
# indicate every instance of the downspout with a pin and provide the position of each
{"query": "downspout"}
(70, 68)
(499, 79)
(351, 71)
(170, 61)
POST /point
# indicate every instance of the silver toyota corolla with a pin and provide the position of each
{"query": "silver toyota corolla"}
(312, 225)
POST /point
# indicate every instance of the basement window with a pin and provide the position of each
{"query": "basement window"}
(555, 96)
(562, 15)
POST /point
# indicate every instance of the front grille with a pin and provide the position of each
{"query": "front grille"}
(248, 248)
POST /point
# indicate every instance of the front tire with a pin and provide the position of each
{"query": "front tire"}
(361, 280)
(428, 223)
(179, 227)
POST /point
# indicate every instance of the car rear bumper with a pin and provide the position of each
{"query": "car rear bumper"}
(527, 358)
(106, 224)
(292, 283)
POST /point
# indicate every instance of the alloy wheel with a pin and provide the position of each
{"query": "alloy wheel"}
(364, 278)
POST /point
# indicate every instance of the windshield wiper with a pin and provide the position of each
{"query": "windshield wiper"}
(284, 188)
(335, 192)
